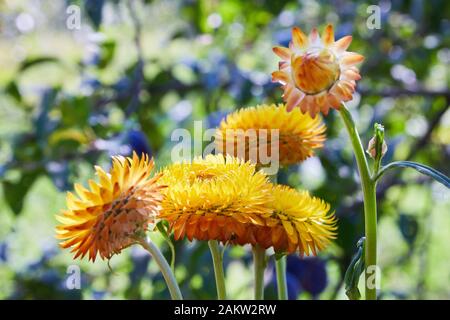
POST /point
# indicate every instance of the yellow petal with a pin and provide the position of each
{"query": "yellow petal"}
(288, 227)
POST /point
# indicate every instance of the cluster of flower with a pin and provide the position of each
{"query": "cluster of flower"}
(224, 197)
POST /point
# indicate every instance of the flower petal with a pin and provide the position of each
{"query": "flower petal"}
(342, 44)
(299, 39)
(314, 38)
(294, 99)
(280, 76)
(283, 53)
(351, 58)
(328, 35)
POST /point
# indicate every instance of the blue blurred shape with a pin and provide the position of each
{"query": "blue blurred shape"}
(98, 294)
(240, 85)
(343, 29)
(191, 63)
(283, 37)
(47, 254)
(51, 277)
(214, 72)
(125, 143)
(90, 83)
(180, 111)
(310, 272)
(293, 286)
(213, 119)
(59, 173)
(3, 251)
(139, 142)
(140, 260)
(124, 84)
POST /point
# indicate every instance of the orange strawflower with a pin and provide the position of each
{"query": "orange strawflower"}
(110, 215)
(317, 73)
(214, 198)
(250, 129)
(297, 222)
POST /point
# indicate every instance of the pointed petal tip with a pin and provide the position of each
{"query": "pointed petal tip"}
(343, 43)
(282, 52)
(299, 39)
(279, 76)
(290, 107)
(352, 58)
(328, 35)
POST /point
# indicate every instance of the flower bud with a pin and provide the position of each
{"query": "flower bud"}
(372, 150)
(377, 146)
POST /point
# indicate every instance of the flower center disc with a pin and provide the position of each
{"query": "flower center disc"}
(315, 70)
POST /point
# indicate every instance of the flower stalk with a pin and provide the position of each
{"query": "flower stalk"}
(259, 260)
(370, 204)
(218, 269)
(280, 268)
(166, 271)
(280, 263)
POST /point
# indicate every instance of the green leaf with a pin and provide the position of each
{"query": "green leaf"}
(15, 192)
(34, 61)
(423, 169)
(75, 111)
(107, 52)
(94, 11)
(163, 228)
(42, 122)
(354, 271)
(409, 228)
(13, 90)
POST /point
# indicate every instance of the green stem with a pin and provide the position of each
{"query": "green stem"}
(280, 267)
(376, 167)
(370, 204)
(259, 260)
(280, 264)
(166, 271)
(218, 269)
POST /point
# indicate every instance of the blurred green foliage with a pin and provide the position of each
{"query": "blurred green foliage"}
(133, 73)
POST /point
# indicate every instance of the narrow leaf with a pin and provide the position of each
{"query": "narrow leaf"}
(163, 228)
(354, 271)
(433, 173)
(35, 61)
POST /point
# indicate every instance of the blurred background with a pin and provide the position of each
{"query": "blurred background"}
(122, 75)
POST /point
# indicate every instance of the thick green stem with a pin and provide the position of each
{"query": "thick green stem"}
(280, 264)
(166, 271)
(259, 260)
(280, 267)
(370, 205)
(218, 269)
